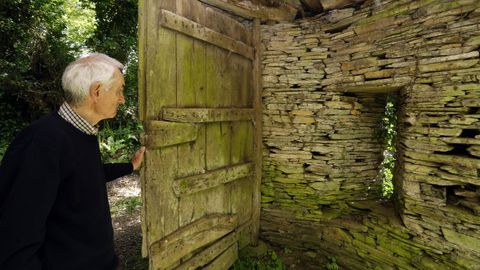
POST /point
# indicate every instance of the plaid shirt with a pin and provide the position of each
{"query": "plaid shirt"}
(67, 113)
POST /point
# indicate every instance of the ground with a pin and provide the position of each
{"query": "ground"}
(125, 204)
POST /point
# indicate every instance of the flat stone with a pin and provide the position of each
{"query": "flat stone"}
(386, 73)
(451, 65)
(323, 186)
(339, 105)
(461, 240)
(474, 150)
(473, 54)
(303, 120)
(452, 132)
(358, 64)
(473, 41)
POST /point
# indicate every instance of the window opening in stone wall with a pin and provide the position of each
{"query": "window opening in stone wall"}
(465, 196)
(389, 136)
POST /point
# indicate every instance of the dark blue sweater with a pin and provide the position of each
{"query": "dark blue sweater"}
(54, 212)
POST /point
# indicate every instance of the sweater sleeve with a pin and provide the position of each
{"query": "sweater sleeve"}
(116, 170)
(31, 177)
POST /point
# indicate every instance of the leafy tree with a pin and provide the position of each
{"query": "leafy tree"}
(40, 37)
(32, 56)
(116, 32)
(80, 20)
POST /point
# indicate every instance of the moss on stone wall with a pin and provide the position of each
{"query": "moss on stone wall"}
(325, 83)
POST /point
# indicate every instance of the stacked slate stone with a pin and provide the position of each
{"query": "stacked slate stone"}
(320, 142)
(325, 81)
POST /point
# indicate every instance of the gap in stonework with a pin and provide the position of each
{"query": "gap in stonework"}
(389, 136)
(464, 196)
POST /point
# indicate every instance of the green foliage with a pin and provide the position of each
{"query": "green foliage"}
(80, 24)
(332, 263)
(127, 204)
(41, 38)
(119, 144)
(36, 47)
(269, 261)
(389, 135)
(116, 32)
(33, 54)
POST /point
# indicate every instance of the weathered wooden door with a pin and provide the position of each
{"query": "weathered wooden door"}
(198, 94)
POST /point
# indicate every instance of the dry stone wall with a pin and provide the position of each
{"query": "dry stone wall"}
(325, 82)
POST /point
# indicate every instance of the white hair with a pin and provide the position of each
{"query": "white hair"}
(79, 75)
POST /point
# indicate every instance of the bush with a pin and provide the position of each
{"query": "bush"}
(118, 145)
(41, 38)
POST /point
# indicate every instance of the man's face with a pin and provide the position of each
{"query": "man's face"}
(111, 96)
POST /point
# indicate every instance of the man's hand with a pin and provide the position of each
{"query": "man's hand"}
(138, 158)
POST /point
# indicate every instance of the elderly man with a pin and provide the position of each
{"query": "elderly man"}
(54, 212)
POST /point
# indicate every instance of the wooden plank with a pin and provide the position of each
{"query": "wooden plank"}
(157, 93)
(242, 141)
(199, 14)
(244, 232)
(240, 95)
(207, 255)
(193, 207)
(142, 28)
(207, 115)
(218, 20)
(225, 24)
(161, 203)
(232, 8)
(161, 73)
(184, 8)
(241, 198)
(198, 31)
(284, 13)
(218, 136)
(164, 134)
(196, 183)
(174, 246)
(257, 80)
(225, 260)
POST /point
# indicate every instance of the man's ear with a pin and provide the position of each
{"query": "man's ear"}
(94, 90)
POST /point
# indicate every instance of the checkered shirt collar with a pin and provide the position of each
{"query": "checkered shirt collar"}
(67, 113)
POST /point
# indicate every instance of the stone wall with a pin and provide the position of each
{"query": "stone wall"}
(325, 81)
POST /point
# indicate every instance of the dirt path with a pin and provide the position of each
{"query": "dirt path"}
(124, 197)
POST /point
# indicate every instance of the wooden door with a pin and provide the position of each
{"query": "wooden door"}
(200, 105)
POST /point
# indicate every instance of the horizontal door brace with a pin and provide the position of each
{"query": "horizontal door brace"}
(163, 133)
(205, 115)
(190, 28)
(195, 183)
(191, 237)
